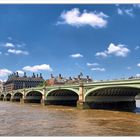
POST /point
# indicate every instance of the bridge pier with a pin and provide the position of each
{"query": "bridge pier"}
(25, 101)
(84, 105)
(80, 102)
(43, 101)
(22, 100)
(12, 99)
(80, 105)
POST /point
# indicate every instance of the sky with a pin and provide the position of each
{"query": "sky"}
(99, 40)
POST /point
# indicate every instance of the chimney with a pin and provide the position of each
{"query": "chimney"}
(79, 77)
(88, 77)
(52, 76)
(40, 75)
(33, 75)
(17, 74)
(37, 75)
(25, 74)
(60, 76)
(70, 78)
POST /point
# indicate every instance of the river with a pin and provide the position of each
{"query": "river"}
(18, 119)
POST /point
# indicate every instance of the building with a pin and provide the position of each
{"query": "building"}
(1, 86)
(62, 80)
(15, 81)
(56, 80)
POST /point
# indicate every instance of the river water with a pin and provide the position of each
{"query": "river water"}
(18, 119)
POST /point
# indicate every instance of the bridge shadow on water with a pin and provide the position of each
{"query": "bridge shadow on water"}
(118, 106)
(136, 110)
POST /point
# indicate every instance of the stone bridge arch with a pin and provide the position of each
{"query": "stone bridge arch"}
(2, 97)
(8, 96)
(96, 89)
(17, 96)
(112, 96)
(62, 96)
(33, 96)
(41, 91)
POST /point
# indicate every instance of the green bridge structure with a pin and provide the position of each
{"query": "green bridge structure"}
(117, 93)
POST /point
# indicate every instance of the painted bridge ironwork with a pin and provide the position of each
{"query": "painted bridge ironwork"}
(120, 93)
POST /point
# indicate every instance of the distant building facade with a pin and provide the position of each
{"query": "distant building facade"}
(1, 86)
(56, 80)
(62, 80)
(15, 81)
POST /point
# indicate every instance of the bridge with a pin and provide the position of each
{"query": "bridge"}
(119, 93)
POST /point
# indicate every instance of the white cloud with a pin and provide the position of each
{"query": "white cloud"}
(117, 50)
(75, 18)
(36, 68)
(8, 44)
(77, 55)
(17, 52)
(138, 64)
(128, 12)
(0, 52)
(92, 64)
(20, 72)
(13, 47)
(102, 54)
(4, 72)
(138, 75)
(98, 69)
(137, 47)
(120, 12)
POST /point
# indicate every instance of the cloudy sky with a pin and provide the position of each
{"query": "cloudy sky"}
(102, 41)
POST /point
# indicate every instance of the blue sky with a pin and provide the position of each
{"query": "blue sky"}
(101, 41)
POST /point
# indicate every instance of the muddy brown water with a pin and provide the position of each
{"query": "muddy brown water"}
(18, 119)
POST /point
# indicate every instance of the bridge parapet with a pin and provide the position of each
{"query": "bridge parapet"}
(128, 81)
